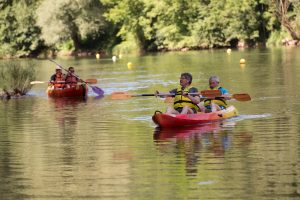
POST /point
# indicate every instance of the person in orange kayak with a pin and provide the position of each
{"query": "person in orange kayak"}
(58, 79)
(184, 102)
(217, 103)
(71, 79)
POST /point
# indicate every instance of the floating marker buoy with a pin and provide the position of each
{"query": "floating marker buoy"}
(129, 65)
(120, 56)
(114, 58)
(228, 51)
(242, 61)
(97, 55)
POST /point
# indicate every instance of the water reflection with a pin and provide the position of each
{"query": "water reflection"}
(209, 140)
(66, 110)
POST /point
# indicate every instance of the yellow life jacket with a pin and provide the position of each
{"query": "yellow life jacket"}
(181, 101)
(220, 101)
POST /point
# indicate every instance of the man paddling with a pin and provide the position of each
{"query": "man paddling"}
(71, 79)
(58, 78)
(184, 103)
(217, 103)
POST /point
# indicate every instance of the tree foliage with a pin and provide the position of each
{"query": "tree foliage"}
(62, 20)
(19, 34)
(287, 12)
(28, 26)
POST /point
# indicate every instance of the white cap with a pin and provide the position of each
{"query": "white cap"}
(58, 67)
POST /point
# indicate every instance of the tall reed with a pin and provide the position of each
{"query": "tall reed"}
(15, 76)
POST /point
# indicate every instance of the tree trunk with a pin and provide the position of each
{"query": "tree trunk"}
(282, 7)
(76, 40)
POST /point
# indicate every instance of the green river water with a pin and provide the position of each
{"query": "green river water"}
(110, 149)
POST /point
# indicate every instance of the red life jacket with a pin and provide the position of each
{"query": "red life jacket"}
(71, 80)
(58, 79)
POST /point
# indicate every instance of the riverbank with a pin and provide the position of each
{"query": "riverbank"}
(102, 53)
(5, 95)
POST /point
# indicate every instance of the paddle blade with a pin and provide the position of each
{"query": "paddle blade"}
(91, 81)
(242, 97)
(97, 90)
(37, 82)
(211, 93)
(120, 95)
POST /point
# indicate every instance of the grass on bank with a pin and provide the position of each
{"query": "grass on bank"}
(15, 77)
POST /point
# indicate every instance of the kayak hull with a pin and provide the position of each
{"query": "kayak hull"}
(165, 120)
(78, 91)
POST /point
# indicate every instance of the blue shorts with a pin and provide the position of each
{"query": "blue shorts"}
(209, 107)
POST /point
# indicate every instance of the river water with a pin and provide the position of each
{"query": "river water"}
(110, 149)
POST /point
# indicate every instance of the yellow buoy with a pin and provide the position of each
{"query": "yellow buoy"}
(129, 65)
(242, 61)
(97, 55)
(120, 56)
(228, 51)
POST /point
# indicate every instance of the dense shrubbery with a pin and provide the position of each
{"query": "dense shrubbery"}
(28, 27)
(15, 77)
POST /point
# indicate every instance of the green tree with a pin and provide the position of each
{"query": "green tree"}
(132, 20)
(288, 15)
(175, 24)
(64, 20)
(19, 34)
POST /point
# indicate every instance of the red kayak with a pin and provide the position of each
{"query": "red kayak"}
(74, 91)
(165, 120)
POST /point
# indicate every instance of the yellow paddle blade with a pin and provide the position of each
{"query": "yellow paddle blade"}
(211, 93)
(91, 81)
(241, 97)
(38, 82)
(120, 95)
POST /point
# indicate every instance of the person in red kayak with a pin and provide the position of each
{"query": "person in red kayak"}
(58, 79)
(184, 102)
(71, 79)
(217, 103)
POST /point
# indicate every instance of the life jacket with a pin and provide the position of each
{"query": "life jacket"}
(220, 101)
(71, 80)
(181, 101)
(58, 78)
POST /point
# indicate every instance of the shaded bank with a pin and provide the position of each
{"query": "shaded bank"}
(83, 28)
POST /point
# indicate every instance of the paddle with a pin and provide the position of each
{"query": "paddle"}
(126, 95)
(241, 97)
(217, 93)
(90, 81)
(95, 89)
(204, 94)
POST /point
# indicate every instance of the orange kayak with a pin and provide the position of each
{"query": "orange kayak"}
(74, 91)
(165, 120)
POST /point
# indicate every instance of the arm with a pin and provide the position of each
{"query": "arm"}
(52, 78)
(157, 93)
(225, 94)
(194, 98)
